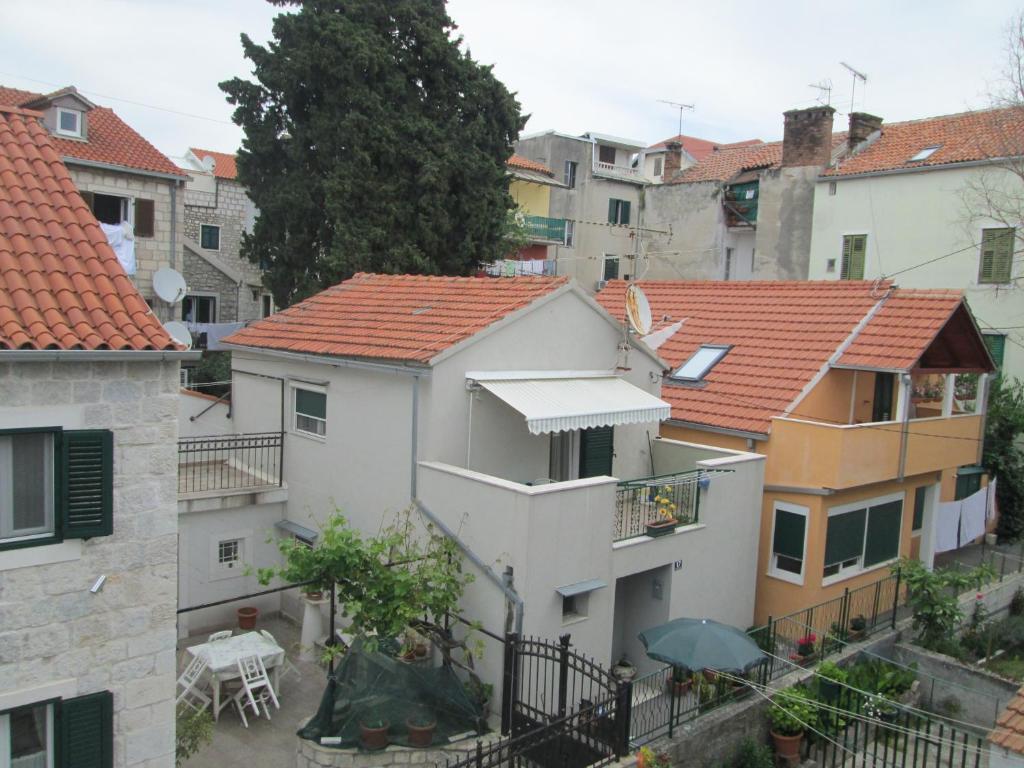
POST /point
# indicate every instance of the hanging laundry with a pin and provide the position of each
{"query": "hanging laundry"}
(972, 516)
(122, 239)
(947, 527)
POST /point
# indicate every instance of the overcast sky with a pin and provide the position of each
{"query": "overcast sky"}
(576, 65)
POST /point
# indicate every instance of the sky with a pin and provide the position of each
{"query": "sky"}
(575, 65)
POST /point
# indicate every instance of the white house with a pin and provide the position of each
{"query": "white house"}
(88, 530)
(513, 411)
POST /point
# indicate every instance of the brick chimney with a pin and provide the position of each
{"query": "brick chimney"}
(673, 160)
(807, 136)
(862, 125)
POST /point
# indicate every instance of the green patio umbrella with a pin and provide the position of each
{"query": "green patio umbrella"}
(698, 644)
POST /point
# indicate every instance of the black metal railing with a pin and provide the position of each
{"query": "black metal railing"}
(230, 462)
(636, 502)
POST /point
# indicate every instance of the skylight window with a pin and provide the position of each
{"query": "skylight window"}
(700, 363)
(924, 154)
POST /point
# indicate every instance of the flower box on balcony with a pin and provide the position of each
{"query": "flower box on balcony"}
(661, 528)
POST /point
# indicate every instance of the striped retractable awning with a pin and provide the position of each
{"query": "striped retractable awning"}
(558, 404)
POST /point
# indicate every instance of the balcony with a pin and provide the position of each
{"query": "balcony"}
(740, 204)
(615, 171)
(813, 454)
(225, 464)
(635, 504)
(543, 229)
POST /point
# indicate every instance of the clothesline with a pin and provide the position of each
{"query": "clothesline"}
(962, 521)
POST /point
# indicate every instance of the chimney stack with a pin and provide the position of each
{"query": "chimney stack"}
(673, 160)
(807, 137)
(862, 125)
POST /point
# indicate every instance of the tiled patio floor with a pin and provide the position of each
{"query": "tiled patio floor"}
(271, 743)
(207, 476)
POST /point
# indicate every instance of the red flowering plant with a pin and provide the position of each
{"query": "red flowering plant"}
(805, 645)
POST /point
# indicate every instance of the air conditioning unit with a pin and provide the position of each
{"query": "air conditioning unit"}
(600, 285)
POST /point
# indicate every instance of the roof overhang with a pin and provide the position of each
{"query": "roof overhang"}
(534, 177)
(581, 587)
(71, 160)
(559, 401)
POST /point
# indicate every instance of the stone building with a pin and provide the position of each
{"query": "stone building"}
(88, 514)
(122, 177)
(223, 286)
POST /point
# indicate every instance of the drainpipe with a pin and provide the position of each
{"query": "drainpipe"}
(904, 415)
(510, 594)
(981, 406)
(414, 454)
(473, 388)
(174, 224)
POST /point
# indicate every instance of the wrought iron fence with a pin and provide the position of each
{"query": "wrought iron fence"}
(635, 504)
(230, 462)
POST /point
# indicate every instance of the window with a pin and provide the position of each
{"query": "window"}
(832, 188)
(863, 535)
(199, 309)
(924, 154)
(229, 553)
(26, 737)
(918, 521)
(611, 267)
(618, 211)
(268, 305)
(69, 122)
(55, 485)
(830, 265)
(728, 263)
(996, 255)
(569, 176)
(789, 537)
(311, 411)
(854, 247)
(80, 729)
(700, 362)
(575, 606)
(968, 481)
(570, 233)
(597, 451)
(110, 209)
(658, 165)
(209, 237)
(996, 344)
(606, 154)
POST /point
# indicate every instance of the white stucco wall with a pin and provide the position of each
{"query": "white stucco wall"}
(214, 418)
(910, 218)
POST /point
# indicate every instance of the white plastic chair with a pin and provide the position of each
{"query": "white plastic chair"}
(191, 694)
(289, 668)
(256, 688)
(222, 635)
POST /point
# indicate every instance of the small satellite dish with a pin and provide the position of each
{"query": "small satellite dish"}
(179, 332)
(169, 285)
(638, 310)
(208, 163)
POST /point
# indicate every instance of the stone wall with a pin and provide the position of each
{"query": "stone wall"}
(202, 277)
(312, 755)
(151, 253)
(53, 630)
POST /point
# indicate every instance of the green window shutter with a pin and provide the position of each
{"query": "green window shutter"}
(611, 268)
(918, 523)
(883, 541)
(85, 731)
(613, 211)
(596, 451)
(996, 255)
(996, 343)
(968, 481)
(788, 539)
(624, 218)
(844, 539)
(854, 248)
(87, 465)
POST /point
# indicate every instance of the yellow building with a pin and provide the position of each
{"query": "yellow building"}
(849, 389)
(530, 186)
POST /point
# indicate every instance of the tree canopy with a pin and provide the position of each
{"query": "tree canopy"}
(373, 142)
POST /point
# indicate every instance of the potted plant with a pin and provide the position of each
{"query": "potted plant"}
(373, 732)
(680, 682)
(664, 521)
(247, 615)
(420, 726)
(805, 648)
(858, 627)
(648, 758)
(791, 711)
(880, 708)
(831, 678)
(480, 694)
(313, 593)
(624, 669)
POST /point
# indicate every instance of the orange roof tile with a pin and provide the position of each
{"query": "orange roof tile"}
(727, 161)
(61, 286)
(1009, 730)
(110, 139)
(518, 161)
(960, 138)
(224, 165)
(699, 149)
(394, 317)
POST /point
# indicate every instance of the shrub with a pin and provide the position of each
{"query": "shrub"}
(193, 730)
(750, 754)
(932, 597)
(1017, 603)
(792, 711)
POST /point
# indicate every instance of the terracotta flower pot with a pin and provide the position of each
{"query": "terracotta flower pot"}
(374, 737)
(247, 617)
(420, 735)
(420, 649)
(787, 746)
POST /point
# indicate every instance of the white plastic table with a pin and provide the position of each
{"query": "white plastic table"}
(222, 658)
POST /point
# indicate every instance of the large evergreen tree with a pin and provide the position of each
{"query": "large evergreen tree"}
(372, 143)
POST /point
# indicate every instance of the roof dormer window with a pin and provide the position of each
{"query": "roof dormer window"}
(924, 154)
(69, 122)
(700, 363)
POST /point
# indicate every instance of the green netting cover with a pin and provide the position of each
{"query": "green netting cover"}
(370, 687)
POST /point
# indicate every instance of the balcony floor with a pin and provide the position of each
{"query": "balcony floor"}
(216, 476)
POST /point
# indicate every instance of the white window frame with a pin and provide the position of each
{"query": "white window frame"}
(219, 570)
(49, 528)
(78, 133)
(570, 233)
(659, 165)
(202, 295)
(5, 734)
(924, 153)
(213, 226)
(721, 349)
(848, 572)
(319, 388)
(778, 573)
(571, 168)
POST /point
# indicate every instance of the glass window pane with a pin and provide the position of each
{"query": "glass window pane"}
(69, 121)
(883, 541)
(30, 740)
(700, 363)
(789, 536)
(311, 403)
(31, 483)
(845, 537)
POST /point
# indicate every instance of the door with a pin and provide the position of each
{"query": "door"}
(596, 451)
(885, 383)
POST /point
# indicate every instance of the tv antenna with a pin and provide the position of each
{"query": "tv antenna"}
(857, 75)
(824, 88)
(680, 107)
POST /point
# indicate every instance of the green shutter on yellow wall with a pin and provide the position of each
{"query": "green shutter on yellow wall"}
(883, 540)
(844, 538)
(854, 249)
(788, 539)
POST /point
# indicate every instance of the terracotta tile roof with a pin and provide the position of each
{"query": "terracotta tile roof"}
(729, 160)
(61, 286)
(110, 139)
(961, 138)
(224, 166)
(394, 317)
(698, 149)
(518, 161)
(1009, 730)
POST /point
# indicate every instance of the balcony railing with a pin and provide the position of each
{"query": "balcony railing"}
(545, 228)
(230, 462)
(635, 506)
(617, 170)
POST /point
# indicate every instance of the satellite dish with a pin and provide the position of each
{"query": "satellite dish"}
(208, 163)
(179, 332)
(169, 285)
(638, 310)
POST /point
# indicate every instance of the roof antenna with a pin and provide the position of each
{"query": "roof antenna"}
(824, 91)
(856, 76)
(680, 107)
